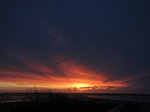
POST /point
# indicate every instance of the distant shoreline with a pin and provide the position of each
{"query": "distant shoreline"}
(21, 97)
(76, 93)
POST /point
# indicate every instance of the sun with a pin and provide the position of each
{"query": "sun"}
(81, 85)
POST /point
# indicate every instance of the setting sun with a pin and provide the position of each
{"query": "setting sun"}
(81, 85)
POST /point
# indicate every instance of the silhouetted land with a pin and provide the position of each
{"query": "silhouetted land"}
(50, 102)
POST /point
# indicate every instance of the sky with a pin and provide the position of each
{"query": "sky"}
(75, 45)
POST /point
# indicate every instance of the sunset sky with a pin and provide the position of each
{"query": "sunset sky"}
(75, 45)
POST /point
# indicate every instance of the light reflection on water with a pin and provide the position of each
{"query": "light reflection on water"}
(4, 98)
(140, 98)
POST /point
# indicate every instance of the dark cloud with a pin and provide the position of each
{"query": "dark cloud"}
(108, 37)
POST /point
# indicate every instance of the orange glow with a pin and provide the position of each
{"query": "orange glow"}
(70, 74)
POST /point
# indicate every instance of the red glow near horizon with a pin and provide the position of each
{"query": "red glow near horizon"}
(76, 75)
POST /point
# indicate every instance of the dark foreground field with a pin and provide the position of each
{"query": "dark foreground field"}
(74, 103)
